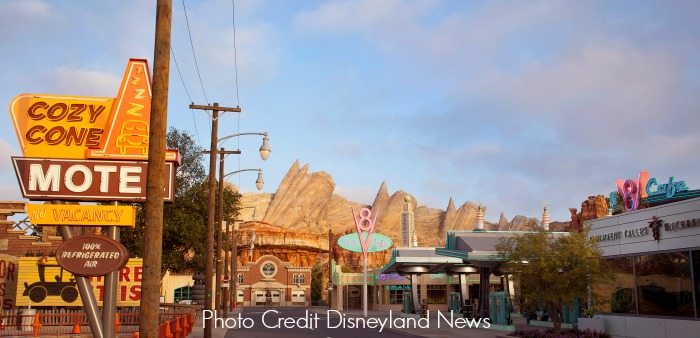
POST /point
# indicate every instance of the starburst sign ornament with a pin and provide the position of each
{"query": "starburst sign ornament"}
(365, 218)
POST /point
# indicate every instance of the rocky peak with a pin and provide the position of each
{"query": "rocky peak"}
(503, 223)
(382, 198)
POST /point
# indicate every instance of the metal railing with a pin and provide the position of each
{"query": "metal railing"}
(176, 321)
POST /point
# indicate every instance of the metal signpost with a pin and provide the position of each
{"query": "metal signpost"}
(365, 228)
(88, 149)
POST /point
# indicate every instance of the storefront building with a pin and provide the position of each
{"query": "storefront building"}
(269, 281)
(655, 254)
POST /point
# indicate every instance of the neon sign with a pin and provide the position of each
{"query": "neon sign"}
(631, 194)
(667, 189)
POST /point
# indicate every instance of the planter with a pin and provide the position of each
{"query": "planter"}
(594, 324)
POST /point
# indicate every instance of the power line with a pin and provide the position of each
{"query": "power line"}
(235, 52)
(235, 67)
(196, 64)
(177, 66)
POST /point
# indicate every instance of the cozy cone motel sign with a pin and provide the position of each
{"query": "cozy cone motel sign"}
(88, 149)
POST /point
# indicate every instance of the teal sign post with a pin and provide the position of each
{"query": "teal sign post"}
(352, 242)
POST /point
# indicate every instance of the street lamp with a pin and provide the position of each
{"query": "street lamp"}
(258, 182)
(264, 148)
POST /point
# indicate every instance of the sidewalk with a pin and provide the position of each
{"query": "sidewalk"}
(438, 328)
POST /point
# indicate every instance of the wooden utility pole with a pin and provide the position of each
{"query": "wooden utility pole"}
(152, 255)
(221, 299)
(209, 272)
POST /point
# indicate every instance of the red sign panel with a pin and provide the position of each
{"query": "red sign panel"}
(87, 180)
(91, 255)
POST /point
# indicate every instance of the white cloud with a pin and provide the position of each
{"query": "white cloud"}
(365, 16)
(24, 12)
(618, 81)
(84, 82)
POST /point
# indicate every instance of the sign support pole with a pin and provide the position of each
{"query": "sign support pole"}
(364, 288)
(86, 294)
(109, 304)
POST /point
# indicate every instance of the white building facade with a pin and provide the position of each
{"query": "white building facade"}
(655, 255)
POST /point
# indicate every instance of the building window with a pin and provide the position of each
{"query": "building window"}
(268, 270)
(396, 294)
(617, 294)
(298, 278)
(240, 278)
(437, 294)
(664, 284)
(183, 294)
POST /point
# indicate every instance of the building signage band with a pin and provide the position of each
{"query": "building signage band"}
(88, 215)
(91, 255)
(644, 231)
(87, 180)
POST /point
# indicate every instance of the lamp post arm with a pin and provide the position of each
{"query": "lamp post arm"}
(222, 139)
(242, 170)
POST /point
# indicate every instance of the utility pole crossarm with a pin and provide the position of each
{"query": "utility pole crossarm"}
(224, 152)
(218, 108)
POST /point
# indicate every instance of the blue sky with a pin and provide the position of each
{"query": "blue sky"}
(509, 103)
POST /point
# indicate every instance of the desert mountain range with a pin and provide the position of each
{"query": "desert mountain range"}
(305, 201)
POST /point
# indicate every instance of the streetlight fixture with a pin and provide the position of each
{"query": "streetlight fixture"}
(259, 182)
(264, 148)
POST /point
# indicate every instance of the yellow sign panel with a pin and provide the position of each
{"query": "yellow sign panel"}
(90, 215)
(59, 126)
(74, 127)
(47, 284)
(127, 135)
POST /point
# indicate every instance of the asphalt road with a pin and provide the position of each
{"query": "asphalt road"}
(300, 324)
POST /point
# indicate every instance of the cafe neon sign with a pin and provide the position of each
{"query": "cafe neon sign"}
(632, 192)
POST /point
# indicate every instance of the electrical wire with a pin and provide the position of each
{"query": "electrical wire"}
(196, 64)
(177, 66)
(235, 68)
(235, 52)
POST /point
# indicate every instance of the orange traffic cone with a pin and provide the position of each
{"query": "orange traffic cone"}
(168, 333)
(36, 325)
(117, 323)
(76, 324)
(178, 329)
(185, 328)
